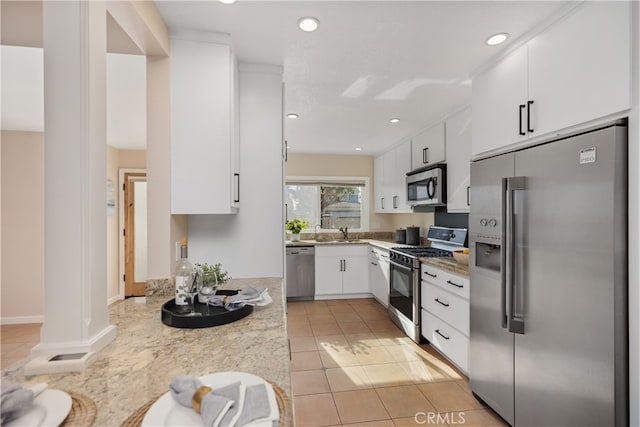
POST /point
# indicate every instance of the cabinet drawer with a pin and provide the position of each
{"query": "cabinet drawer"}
(455, 283)
(350, 250)
(447, 306)
(447, 340)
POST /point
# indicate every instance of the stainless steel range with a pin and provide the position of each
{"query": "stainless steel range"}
(404, 275)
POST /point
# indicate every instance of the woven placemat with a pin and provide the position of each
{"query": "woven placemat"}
(284, 406)
(83, 411)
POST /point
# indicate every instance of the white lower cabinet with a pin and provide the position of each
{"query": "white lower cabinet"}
(379, 274)
(448, 340)
(342, 270)
(445, 313)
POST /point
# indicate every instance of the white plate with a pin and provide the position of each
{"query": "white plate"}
(49, 408)
(167, 412)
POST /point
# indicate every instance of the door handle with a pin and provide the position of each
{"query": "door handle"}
(441, 334)
(520, 108)
(529, 104)
(237, 199)
(507, 261)
(441, 303)
(455, 284)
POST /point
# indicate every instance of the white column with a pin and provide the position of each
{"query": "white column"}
(76, 318)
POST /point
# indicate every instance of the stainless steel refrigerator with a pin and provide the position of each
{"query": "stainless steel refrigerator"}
(548, 265)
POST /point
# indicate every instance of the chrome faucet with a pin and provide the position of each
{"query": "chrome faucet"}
(345, 232)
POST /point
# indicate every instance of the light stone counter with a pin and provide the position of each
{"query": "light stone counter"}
(140, 363)
(447, 263)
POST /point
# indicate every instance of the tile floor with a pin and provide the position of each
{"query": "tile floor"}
(352, 367)
(16, 342)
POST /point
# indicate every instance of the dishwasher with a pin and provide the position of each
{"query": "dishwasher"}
(301, 273)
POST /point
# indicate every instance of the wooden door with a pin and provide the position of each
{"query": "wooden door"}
(131, 286)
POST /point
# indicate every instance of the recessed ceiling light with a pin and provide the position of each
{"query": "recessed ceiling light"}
(227, 1)
(394, 120)
(497, 39)
(292, 116)
(358, 149)
(308, 23)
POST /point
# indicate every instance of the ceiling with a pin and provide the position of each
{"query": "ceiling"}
(368, 62)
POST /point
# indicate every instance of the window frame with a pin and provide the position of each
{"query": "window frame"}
(335, 180)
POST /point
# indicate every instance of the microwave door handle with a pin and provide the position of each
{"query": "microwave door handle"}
(431, 187)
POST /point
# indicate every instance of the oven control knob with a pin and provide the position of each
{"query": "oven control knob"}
(483, 222)
(493, 222)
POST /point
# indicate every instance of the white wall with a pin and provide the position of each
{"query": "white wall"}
(22, 286)
(251, 242)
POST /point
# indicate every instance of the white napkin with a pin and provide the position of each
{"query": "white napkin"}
(248, 296)
(233, 405)
(13, 400)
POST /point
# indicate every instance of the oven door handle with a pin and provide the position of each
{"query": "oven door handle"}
(400, 265)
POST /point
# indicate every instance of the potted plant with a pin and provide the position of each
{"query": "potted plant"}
(295, 226)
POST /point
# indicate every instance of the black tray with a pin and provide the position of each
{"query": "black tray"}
(177, 316)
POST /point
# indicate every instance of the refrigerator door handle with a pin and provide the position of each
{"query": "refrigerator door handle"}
(510, 185)
(503, 256)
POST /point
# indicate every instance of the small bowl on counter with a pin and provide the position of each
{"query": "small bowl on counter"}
(461, 256)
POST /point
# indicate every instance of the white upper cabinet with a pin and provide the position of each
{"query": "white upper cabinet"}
(498, 96)
(204, 156)
(576, 71)
(458, 161)
(580, 69)
(390, 171)
(427, 148)
(402, 157)
(378, 183)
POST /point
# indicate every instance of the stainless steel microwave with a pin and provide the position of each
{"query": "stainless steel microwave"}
(427, 186)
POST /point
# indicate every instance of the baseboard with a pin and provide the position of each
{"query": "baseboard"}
(344, 296)
(114, 299)
(21, 319)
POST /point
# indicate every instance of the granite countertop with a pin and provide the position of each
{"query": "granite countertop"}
(140, 363)
(447, 263)
(379, 243)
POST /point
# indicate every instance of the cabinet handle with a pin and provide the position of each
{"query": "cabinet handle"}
(345, 264)
(468, 196)
(373, 263)
(425, 157)
(286, 151)
(381, 202)
(237, 176)
(395, 202)
(286, 213)
(430, 275)
(520, 108)
(441, 334)
(454, 284)
(441, 303)
(529, 103)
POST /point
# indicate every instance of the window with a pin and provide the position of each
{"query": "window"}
(329, 203)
